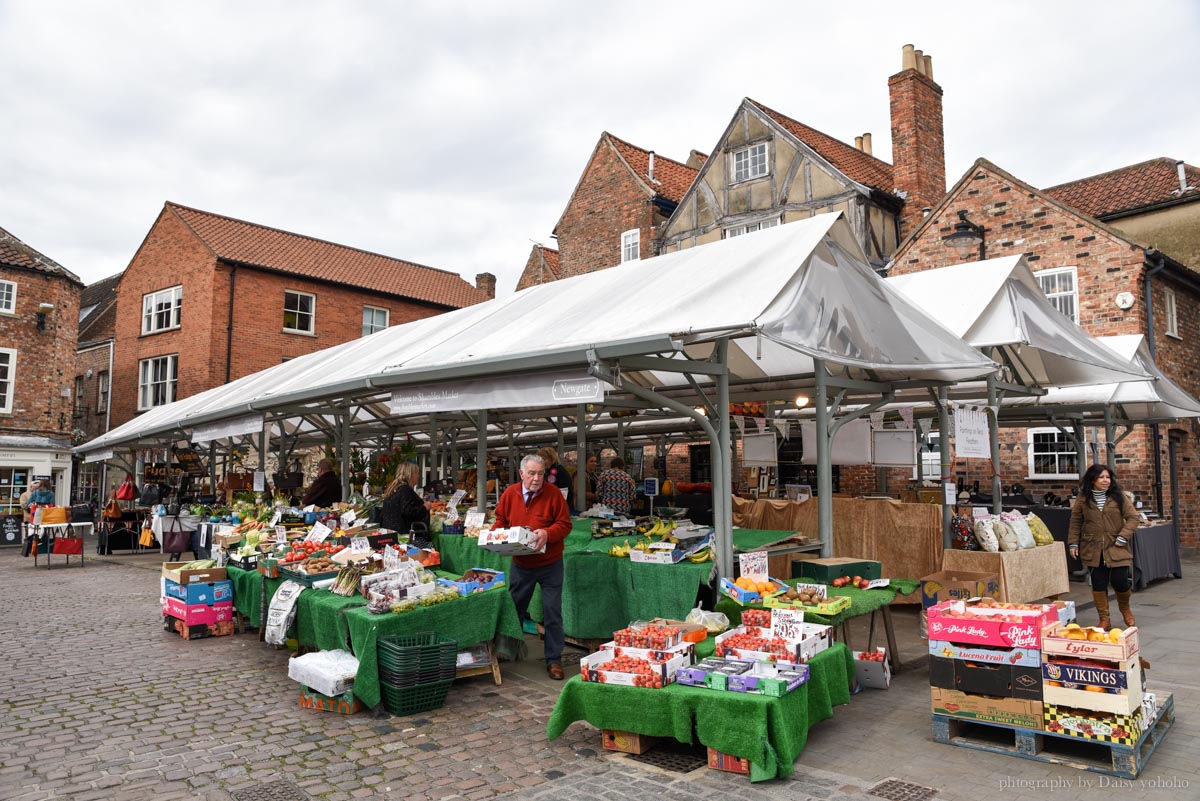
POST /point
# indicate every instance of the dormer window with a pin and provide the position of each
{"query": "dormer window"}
(750, 162)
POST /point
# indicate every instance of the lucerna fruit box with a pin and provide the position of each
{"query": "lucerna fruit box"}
(1025, 657)
(1089, 643)
(986, 622)
(606, 667)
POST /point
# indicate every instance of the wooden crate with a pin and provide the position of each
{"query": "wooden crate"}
(627, 742)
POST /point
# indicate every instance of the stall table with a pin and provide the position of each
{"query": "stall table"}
(1026, 575)
(176, 533)
(769, 732)
(59, 538)
(1155, 555)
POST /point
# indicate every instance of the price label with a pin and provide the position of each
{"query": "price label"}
(871, 585)
(623, 524)
(348, 518)
(260, 480)
(475, 519)
(451, 514)
(819, 589)
(310, 508)
(318, 533)
(275, 518)
(359, 545)
(754, 565)
(280, 533)
(456, 498)
(951, 493)
(787, 623)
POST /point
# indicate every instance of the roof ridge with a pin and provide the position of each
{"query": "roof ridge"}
(106, 278)
(1155, 160)
(657, 155)
(767, 108)
(331, 243)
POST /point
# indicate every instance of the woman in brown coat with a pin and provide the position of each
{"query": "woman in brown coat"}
(1101, 535)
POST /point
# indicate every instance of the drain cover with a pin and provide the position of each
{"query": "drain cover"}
(675, 757)
(273, 791)
(896, 790)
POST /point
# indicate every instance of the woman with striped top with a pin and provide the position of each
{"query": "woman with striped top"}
(1103, 521)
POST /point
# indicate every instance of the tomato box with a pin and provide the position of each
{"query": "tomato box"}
(958, 585)
(1088, 724)
(1026, 657)
(192, 594)
(197, 613)
(1110, 687)
(1055, 641)
(745, 596)
(174, 571)
(1008, 681)
(1002, 626)
(345, 704)
(591, 668)
(874, 673)
(649, 635)
(1019, 712)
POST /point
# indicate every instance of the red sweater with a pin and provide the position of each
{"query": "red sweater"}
(546, 510)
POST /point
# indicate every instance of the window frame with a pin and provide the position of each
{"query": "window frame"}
(12, 301)
(745, 228)
(1171, 312)
(8, 385)
(632, 237)
(931, 438)
(386, 319)
(77, 399)
(750, 160)
(312, 313)
(1053, 271)
(1032, 474)
(150, 315)
(171, 382)
(103, 386)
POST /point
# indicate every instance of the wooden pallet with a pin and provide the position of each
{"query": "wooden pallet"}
(1115, 760)
(589, 645)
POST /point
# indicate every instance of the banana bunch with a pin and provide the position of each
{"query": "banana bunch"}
(662, 529)
(703, 555)
(620, 551)
(643, 545)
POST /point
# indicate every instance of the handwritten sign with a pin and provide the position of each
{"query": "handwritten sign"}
(275, 518)
(474, 520)
(281, 533)
(877, 583)
(348, 518)
(820, 589)
(971, 438)
(456, 498)
(754, 565)
(787, 623)
(451, 514)
(260, 480)
(360, 545)
(318, 533)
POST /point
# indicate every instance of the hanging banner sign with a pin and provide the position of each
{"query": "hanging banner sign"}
(877, 419)
(906, 414)
(228, 428)
(784, 427)
(741, 424)
(98, 456)
(507, 392)
(971, 440)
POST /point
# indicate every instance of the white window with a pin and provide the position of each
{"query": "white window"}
(931, 457)
(631, 246)
(1051, 454)
(1062, 290)
(160, 310)
(750, 162)
(1172, 315)
(374, 319)
(8, 378)
(78, 395)
(298, 310)
(738, 230)
(157, 378)
(102, 392)
(8, 297)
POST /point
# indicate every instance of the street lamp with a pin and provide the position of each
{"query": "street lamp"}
(967, 237)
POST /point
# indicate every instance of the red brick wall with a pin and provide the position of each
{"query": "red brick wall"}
(89, 415)
(45, 359)
(918, 148)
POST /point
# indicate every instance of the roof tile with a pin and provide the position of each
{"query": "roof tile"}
(16, 253)
(673, 177)
(1132, 187)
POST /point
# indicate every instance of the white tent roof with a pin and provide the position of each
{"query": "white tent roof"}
(998, 304)
(805, 287)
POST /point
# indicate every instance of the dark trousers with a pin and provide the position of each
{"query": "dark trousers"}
(1102, 575)
(521, 582)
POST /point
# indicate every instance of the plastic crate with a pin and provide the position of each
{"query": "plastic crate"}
(409, 678)
(407, 653)
(401, 701)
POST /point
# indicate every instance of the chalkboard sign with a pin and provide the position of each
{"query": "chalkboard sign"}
(10, 530)
(155, 473)
(189, 460)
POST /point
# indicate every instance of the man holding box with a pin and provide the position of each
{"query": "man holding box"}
(544, 512)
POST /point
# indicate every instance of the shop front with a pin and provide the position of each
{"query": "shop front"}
(38, 458)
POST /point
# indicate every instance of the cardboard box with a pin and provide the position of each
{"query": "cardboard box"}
(1025, 575)
(1115, 687)
(198, 613)
(1066, 611)
(193, 594)
(468, 587)
(589, 669)
(345, 704)
(815, 638)
(627, 742)
(173, 571)
(1054, 642)
(516, 541)
(988, 627)
(954, 585)
(1006, 711)
(1090, 725)
(655, 654)
(1026, 657)
(763, 678)
(1007, 681)
(697, 675)
(745, 597)
(833, 605)
(690, 632)
(728, 762)
(870, 673)
(823, 571)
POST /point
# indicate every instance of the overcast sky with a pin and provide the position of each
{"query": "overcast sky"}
(452, 134)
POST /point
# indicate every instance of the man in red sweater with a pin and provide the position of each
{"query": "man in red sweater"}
(543, 510)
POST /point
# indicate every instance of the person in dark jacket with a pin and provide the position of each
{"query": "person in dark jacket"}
(401, 506)
(326, 489)
(559, 476)
(1101, 536)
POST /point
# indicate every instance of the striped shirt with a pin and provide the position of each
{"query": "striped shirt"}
(1100, 497)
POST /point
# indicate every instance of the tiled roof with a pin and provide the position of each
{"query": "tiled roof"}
(16, 253)
(99, 296)
(550, 255)
(1133, 187)
(248, 243)
(851, 161)
(673, 177)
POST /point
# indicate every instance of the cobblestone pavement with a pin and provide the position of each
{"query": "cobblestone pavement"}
(100, 702)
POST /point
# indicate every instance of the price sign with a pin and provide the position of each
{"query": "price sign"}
(275, 518)
(754, 565)
(650, 487)
(456, 498)
(281, 533)
(451, 514)
(950, 491)
(787, 623)
(819, 589)
(260, 480)
(318, 533)
(348, 518)
(475, 519)
(871, 585)
(359, 545)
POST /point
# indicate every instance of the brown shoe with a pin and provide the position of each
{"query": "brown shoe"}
(554, 671)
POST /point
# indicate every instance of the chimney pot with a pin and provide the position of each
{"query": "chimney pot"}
(486, 283)
(908, 58)
(858, 143)
(650, 169)
(929, 67)
(919, 59)
(866, 143)
(1179, 169)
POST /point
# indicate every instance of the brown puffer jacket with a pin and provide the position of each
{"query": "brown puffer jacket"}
(1096, 532)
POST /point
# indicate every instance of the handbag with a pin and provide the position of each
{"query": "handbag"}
(112, 510)
(147, 538)
(126, 492)
(150, 495)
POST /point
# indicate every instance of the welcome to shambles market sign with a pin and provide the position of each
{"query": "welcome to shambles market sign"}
(508, 392)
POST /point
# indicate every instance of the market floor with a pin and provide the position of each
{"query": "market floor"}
(99, 702)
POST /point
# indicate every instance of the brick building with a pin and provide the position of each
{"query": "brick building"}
(542, 267)
(93, 380)
(39, 314)
(1099, 247)
(207, 299)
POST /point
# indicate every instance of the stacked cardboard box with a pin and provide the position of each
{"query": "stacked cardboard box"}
(201, 603)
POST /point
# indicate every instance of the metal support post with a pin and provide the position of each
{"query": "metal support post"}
(993, 396)
(1110, 444)
(943, 404)
(723, 486)
(824, 469)
(481, 460)
(580, 458)
(1081, 448)
(344, 431)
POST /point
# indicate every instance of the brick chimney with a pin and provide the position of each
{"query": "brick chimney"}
(918, 148)
(486, 283)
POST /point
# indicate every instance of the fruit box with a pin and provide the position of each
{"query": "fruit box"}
(268, 568)
(956, 585)
(658, 654)
(468, 587)
(589, 669)
(1087, 724)
(989, 625)
(773, 680)
(647, 636)
(745, 596)
(174, 571)
(1054, 641)
(1100, 687)
(514, 541)
(344, 704)
(1003, 680)
(198, 613)
(871, 673)
(1066, 611)
(1019, 712)
(1026, 657)
(698, 675)
(627, 742)
(824, 571)
(192, 594)
(689, 632)
(728, 762)
(815, 638)
(831, 606)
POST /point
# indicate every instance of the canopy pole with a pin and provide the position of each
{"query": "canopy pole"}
(1081, 448)
(212, 469)
(434, 448)
(723, 486)
(580, 459)
(345, 448)
(560, 445)
(1110, 445)
(993, 397)
(824, 470)
(481, 460)
(943, 405)
(620, 439)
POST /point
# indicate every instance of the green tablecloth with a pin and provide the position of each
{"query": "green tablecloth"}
(770, 732)
(247, 592)
(321, 620)
(483, 617)
(862, 602)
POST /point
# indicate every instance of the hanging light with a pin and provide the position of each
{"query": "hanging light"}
(801, 401)
(700, 409)
(967, 238)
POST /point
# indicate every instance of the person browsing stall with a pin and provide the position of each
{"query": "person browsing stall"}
(615, 488)
(541, 508)
(401, 505)
(326, 489)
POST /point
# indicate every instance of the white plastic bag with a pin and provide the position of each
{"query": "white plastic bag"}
(1016, 521)
(985, 534)
(714, 622)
